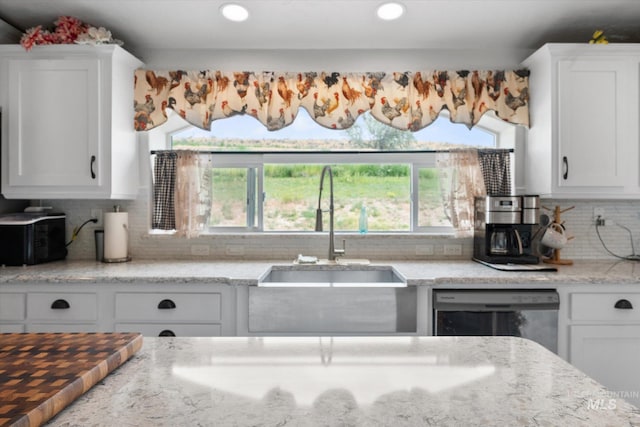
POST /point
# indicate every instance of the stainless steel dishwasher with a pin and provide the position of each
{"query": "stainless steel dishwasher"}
(527, 313)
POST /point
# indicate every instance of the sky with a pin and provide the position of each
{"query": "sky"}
(246, 127)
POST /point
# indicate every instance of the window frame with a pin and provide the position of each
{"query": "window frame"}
(414, 159)
(507, 136)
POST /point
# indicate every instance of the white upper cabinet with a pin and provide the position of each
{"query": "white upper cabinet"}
(67, 122)
(584, 135)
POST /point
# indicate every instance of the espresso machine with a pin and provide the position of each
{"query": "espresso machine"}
(504, 229)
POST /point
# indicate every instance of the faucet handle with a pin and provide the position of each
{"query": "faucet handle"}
(342, 251)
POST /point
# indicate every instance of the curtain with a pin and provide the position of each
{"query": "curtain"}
(403, 100)
(496, 170)
(461, 181)
(182, 187)
(164, 185)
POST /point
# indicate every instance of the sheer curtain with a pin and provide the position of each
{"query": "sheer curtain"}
(466, 174)
(182, 191)
(461, 181)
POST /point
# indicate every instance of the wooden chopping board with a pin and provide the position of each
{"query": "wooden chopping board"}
(42, 373)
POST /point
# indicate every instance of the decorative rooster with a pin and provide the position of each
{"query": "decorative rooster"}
(348, 120)
(320, 110)
(349, 93)
(284, 91)
(156, 82)
(422, 86)
(241, 83)
(262, 91)
(333, 102)
(221, 81)
(515, 102)
(176, 77)
(494, 84)
(440, 79)
(277, 122)
(304, 84)
(147, 107)
(194, 97)
(401, 79)
(416, 118)
(389, 111)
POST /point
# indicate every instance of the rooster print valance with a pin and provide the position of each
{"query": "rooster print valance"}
(407, 100)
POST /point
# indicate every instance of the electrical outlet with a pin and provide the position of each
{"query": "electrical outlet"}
(453, 250)
(97, 214)
(598, 216)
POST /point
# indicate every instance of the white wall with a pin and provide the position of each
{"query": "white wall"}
(333, 60)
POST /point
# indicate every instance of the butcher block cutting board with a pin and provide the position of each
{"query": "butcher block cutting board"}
(42, 373)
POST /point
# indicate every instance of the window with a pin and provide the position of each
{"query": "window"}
(269, 181)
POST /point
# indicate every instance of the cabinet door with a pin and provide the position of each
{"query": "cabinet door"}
(593, 124)
(609, 354)
(54, 135)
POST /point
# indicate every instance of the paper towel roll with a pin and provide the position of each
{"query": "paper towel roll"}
(116, 236)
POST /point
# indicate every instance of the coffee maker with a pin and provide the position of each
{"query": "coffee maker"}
(504, 229)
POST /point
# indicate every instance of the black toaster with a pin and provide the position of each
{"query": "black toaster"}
(32, 238)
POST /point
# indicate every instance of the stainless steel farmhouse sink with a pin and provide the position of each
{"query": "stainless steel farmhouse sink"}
(332, 300)
(360, 276)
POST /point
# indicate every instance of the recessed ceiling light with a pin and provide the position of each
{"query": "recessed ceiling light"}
(390, 11)
(234, 12)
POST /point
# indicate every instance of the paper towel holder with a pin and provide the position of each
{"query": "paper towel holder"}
(126, 258)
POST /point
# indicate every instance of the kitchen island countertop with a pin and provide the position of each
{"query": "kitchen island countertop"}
(382, 381)
(247, 272)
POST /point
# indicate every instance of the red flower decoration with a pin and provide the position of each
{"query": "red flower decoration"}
(67, 31)
(31, 37)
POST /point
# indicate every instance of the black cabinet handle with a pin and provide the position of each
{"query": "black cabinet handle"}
(565, 166)
(167, 333)
(166, 304)
(624, 304)
(60, 304)
(93, 161)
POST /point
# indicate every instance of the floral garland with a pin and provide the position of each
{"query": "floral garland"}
(68, 30)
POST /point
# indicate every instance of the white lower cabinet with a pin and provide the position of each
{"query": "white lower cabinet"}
(170, 313)
(149, 308)
(604, 340)
(62, 312)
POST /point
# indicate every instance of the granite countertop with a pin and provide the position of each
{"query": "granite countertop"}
(248, 272)
(363, 381)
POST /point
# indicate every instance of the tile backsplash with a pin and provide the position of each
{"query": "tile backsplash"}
(578, 222)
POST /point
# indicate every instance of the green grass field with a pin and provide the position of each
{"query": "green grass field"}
(291, 197)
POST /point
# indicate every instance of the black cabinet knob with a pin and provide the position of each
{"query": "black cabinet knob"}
(166, 304)
(167, 333)
(60, 304)
(624, 304)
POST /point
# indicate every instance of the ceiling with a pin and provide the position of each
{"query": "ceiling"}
(346, 24)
